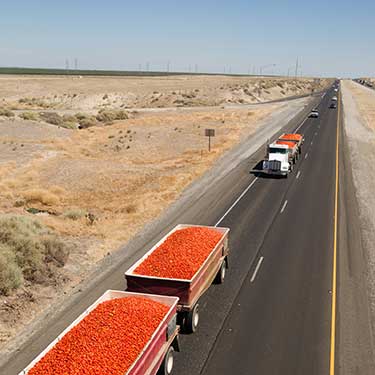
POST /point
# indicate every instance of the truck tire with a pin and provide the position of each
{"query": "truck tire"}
(220, 276)
(166, 366)
(192, 319)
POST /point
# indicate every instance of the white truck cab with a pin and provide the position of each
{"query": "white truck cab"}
(277, 160)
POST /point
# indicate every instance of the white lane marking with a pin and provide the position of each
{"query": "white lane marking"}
(260, 261)
(237, 200)
(312, 142)
(323, 95)
(283, 208)
(298, 174)
(306, 155)
(316, 133)
(296, 130)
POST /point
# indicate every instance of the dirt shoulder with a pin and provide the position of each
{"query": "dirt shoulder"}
(359, 120)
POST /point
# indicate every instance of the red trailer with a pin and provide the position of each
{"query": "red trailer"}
(156, 356)
(188, 291)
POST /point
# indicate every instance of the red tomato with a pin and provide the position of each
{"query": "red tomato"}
(107, 341)
(181, 254)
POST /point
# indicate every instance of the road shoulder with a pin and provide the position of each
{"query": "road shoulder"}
(354, 332)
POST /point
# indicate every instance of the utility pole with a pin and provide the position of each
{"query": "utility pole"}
(296, 68)
(67, 66)
(75, 64)
(147, 66)
(168, 65)
(196, 68)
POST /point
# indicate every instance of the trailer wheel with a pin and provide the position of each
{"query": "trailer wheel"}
(219, 279)
(192, 319)
(166, 366)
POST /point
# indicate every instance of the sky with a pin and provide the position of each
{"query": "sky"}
(329, 38)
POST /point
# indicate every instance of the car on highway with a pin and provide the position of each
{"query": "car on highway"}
(334, 99)
(314, 113)
(333, 105)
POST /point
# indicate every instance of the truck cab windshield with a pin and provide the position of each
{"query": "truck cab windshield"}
(275, 150)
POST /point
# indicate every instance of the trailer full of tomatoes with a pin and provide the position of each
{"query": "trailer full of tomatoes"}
(181, 254)
(107, 341)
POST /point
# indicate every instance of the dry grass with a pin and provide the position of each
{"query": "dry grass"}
(42, 196)
(106, 115)
(6, 112)
(30, 116)
(28, 251)
(74, 214)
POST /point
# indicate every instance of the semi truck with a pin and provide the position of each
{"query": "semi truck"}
(189, 291)
(277, 161)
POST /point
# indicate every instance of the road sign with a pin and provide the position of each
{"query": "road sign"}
(209, 133)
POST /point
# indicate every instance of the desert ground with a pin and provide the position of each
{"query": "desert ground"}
(359, 109)
(91, 160)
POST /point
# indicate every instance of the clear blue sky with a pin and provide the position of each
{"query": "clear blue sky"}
(330, 37)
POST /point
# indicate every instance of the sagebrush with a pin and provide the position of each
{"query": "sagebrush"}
(28, 252)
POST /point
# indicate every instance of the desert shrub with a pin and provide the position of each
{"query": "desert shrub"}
(107, 115)
(87, 122)
(55, 250)
(10, 273)
(40, 196)
(34, 102)
(80, 116)
(52, 118)
(26, 251)
(31, 116)
(69, 118)
(74, 214)
(6, 112)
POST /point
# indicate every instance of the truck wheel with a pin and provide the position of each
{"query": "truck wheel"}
(166, 366)
(219, 279)
(192, 319)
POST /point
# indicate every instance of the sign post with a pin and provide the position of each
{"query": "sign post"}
(209, 133)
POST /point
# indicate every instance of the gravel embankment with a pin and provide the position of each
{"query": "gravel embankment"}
(361, 140)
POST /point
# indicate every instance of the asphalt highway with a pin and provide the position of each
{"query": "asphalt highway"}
(273, 314)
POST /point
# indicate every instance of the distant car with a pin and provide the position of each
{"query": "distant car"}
(336, 89)
(314, 113)
(333, 105)
(334, 99)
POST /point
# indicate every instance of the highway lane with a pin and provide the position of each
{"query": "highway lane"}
(255, 221)
(208, 208)
(280, 323)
